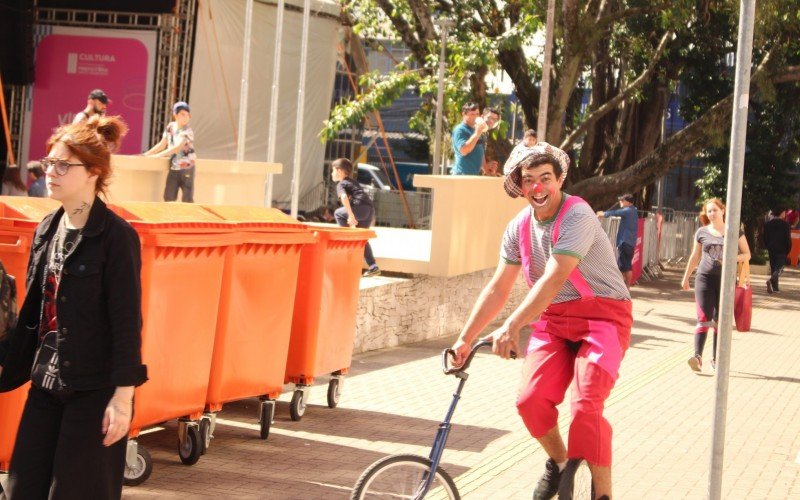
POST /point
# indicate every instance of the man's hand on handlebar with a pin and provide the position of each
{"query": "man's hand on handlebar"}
(461, 350)
(505, 342)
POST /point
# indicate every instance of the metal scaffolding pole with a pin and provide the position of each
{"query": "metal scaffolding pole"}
(248, 31)
(301, 91)
(741, 96)
(273, 107)
(444, 25)
(6, 129)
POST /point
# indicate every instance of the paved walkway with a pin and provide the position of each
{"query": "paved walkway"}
(394, 399)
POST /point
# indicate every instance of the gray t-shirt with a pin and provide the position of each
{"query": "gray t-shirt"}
(713, 249)
(581, 236)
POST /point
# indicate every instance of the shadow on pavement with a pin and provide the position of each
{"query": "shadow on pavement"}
(757, 376)
(240, 465)
(646, 325)
(367, 425)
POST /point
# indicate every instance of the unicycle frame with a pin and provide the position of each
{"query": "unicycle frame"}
(440, 441)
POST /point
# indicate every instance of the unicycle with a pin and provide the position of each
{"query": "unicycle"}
(576, 481)
(409, 476)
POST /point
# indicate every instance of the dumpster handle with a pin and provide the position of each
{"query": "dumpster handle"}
(14, 247)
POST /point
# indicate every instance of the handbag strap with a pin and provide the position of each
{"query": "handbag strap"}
(743, 274)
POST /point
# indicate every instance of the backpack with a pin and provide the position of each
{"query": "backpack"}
(8, 302)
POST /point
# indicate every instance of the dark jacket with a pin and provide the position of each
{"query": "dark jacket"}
(98, 307)
(777, 236)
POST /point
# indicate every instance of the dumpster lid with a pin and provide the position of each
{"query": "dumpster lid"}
(252, 218)
(331, 232)
(170, 217)
(26, 209)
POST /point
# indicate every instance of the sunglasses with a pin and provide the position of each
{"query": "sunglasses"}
(61, 167)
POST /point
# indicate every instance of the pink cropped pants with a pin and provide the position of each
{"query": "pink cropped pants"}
(581, 341)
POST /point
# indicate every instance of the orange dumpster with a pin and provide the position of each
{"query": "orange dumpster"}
(794, 253)
(324, 318)
(184, 249)
(19, 217)
(255, 310)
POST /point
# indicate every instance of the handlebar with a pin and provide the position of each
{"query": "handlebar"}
(447, 353)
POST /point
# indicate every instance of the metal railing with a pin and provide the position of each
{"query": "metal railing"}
(389, 210)
(650, 249)
(675, 245)
(611, 227)
(677, 234)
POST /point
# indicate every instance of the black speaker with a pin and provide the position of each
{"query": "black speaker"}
(16, 41)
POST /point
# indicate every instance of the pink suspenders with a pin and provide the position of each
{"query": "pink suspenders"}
(524, 231)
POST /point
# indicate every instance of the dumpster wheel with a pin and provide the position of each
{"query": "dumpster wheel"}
(189, 451)
(137, 472)
(266, 412)
(298, 405)
(205, 435)
(333, 392)
(264, 422)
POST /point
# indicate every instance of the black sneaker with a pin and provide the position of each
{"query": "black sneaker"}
(547, 487)
(769, 287)
(372, 271)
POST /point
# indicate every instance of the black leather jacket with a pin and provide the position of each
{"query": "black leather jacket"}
(98, 307)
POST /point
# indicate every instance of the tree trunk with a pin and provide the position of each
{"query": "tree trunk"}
(515, 64)
(678, 149)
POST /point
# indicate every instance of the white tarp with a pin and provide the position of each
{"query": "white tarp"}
(216, 84)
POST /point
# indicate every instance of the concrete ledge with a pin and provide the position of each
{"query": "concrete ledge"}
(217, 182)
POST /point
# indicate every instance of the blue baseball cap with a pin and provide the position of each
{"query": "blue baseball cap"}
(180, 105)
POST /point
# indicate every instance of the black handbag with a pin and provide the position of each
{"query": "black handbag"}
(44, 373)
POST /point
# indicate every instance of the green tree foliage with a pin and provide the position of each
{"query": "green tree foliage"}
(772, 161)
(628, 54)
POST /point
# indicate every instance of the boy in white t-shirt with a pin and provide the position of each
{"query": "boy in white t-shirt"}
(177, 143)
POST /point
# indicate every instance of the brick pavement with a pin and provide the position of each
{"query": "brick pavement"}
(394, 399)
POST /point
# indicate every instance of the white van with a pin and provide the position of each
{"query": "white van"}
(372, 178)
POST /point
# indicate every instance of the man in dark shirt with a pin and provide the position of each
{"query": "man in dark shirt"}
(778, 240)
(626, 235)
(96, 104)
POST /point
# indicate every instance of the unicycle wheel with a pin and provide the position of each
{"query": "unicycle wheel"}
(576, 481)
(403, 476)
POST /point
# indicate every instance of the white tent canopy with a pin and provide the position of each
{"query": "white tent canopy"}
(216, 84)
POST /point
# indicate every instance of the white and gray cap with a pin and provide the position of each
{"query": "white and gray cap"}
(521, 155)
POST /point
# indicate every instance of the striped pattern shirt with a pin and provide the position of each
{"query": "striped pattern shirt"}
(581, 236)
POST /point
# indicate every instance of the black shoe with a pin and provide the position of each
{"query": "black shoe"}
(769, 287)
(547, 487)
(372, 271)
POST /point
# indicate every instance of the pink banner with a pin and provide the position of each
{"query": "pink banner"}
(636, 264)
(68, 67)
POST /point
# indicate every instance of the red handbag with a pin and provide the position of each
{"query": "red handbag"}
(743, 299)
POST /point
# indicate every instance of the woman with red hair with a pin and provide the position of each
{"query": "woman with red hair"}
(78, 336)
(707, 259)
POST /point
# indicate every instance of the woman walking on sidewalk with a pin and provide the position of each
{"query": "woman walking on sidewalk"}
(78, 335)
(707, 259)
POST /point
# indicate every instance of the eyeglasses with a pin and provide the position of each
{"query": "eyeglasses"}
(60, 166)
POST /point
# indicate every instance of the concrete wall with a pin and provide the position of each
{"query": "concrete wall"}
(403, 311)
(469, 216)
